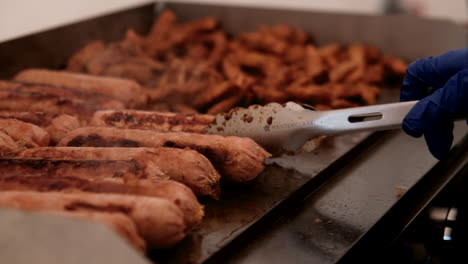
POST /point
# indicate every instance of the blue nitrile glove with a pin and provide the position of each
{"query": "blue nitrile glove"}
(433, 115)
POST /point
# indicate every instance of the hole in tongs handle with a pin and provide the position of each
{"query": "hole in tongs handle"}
(365, 117)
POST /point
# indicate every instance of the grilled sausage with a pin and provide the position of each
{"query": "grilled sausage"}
(159, 221)
(173, 191)
(157, 121)
(19, 97)
(121, 223)
(238, 159)
(127, 91)
(39, 119)
(122, 170)
(56, 125)
(25, 134)
(64, 92)
(182, 165)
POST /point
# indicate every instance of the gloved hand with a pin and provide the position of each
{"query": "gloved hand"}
(433, 115)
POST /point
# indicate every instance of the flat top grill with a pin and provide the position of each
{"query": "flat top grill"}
(334, 195)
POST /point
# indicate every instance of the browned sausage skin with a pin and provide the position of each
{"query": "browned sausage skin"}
(121, 223)
(157, 121)
(238, 159)
(182, 165)
(159, 221)
(127, 91)
(176, 192)
(121, 170)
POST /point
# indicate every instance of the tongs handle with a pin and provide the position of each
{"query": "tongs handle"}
(366, 118)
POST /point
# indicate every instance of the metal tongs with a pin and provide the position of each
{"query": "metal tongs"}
(287, 127)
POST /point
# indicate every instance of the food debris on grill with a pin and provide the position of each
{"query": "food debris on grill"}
(400, 191)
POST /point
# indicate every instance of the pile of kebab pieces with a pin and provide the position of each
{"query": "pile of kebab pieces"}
(198, 66)
(69, 146)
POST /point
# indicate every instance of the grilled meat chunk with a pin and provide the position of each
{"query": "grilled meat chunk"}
(77, 63)
(25, 134)
(8, 146)
(56, 125)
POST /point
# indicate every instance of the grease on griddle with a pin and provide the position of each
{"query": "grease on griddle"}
(400, 191)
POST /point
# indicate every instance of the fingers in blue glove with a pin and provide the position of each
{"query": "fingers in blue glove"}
(433, 116)
(439, 139)
(432, 72)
